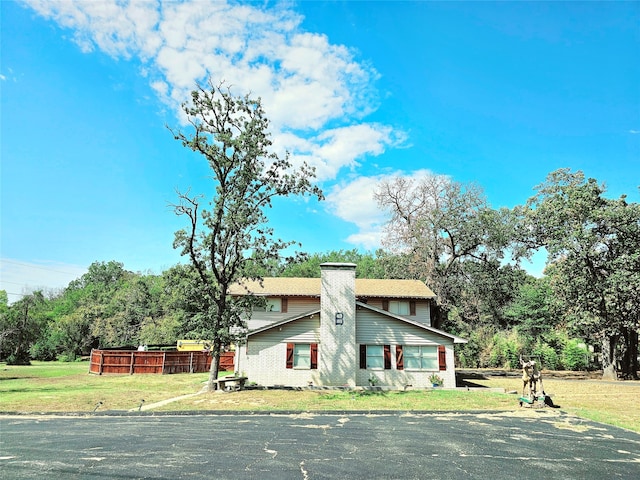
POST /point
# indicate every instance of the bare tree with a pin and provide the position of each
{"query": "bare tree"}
(436, 225)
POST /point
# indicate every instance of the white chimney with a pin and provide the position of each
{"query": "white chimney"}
(337, 358)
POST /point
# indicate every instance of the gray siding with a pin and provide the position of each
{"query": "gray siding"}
(305, 330)
(375, 329)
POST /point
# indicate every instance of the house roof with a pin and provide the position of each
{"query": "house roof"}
(421, 325)
(310, 287)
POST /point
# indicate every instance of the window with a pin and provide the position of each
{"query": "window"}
(420, 357)
(375, 356)
(302, 356)
(272, 305)
(399, 307)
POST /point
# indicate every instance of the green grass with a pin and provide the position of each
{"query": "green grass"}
(63, 387)
(321, 400)
(68, 387)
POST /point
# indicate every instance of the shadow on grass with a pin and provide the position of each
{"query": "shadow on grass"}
(464, 379)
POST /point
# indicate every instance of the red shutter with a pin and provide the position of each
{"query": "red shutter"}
(289, 355)
(284, 304)
(363, 356)
(314, 356)
(412, 308)
(399, 358)
(387, 357)
(442, 357)
(385, 305)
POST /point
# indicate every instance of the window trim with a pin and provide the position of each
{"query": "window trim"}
(386, 357)
(290, 362)
(433, 358)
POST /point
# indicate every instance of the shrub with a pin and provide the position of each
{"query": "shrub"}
(547, 355)
(505, 351)
(575, 355)
(67, 357)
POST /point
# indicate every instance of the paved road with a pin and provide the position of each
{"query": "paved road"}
(524, 444)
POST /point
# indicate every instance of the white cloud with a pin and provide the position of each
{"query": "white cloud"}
(305, 82)
(19, 278)
(336, 148)
(353, 201)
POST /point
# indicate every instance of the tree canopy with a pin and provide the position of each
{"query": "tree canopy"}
(594, 255)
(583, 313)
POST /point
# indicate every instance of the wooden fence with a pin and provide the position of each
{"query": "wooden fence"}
(133, 361)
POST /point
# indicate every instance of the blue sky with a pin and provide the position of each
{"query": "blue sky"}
(499, 94)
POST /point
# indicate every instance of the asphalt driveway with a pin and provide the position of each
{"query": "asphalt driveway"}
(521, 444)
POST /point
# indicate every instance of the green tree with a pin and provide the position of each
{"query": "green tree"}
(231, 133)
(309, 266)
(187, 303)
(593, 246)
(67, 334)
(535, 312)
(20, 327)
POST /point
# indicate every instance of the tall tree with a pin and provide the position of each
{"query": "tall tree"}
(593, 246)
(440, 231)
(231, 133)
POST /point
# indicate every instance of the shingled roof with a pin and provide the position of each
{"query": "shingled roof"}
(310, 287)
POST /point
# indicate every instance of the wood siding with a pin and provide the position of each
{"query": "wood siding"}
(295, 306)
(422, 312)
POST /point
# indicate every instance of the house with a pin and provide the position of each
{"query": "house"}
(341, 331)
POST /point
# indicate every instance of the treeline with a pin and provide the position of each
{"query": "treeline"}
(582, 314)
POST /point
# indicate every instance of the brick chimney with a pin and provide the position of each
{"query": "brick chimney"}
(337, 359)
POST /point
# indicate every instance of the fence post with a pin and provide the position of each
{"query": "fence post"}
(132, 362)
(164, 356)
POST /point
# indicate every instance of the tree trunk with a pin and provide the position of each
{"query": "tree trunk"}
(633, 347)
(215, 364)
(629, 365)
(609, 357)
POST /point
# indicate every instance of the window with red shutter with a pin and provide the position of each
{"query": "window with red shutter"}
(289, 355)
(284, 304)
(314, 356)
(442, 357)
(399, 358)
(387, 357)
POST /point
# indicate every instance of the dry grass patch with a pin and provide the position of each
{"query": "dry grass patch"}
(602, 401)
(68, 387)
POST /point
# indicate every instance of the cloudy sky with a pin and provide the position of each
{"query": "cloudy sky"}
(499, 94)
